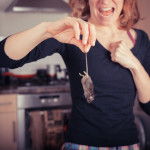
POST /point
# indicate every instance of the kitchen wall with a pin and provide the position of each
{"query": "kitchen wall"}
(14, 22)
(144, 22)
(11, 22)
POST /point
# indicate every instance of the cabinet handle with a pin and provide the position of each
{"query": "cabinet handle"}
(6, 103)
(14, 131)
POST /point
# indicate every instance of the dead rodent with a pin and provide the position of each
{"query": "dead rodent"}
(88, 87)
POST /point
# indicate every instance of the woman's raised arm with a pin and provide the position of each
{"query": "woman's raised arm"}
(66, 30)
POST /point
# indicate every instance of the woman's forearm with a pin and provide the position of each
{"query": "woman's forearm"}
(142, 82)
(19, 45)
(66, 30)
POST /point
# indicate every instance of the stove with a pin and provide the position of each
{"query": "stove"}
(39, 94)
(39, 99)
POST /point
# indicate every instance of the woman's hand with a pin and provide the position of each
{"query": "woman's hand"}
(69, 29)
(121, 54)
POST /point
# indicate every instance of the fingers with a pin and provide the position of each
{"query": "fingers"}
(78, 43)
(87, 48)
(114, 45)
(81, 27)
(92, 34)
(88, 32)
(73, 23)
(119, 50)
(114, 57)
(120, 44)
(76, 28)
(84, 27)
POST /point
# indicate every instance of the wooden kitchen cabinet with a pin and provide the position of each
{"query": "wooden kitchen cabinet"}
(8, 122)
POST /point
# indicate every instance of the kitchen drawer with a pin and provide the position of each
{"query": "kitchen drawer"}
(8, 103)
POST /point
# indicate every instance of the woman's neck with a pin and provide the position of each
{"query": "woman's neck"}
(106, 30)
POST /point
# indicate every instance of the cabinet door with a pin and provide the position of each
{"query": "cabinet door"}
(8, 130)
(8, 103)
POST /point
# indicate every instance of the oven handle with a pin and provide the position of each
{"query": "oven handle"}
(49, 96)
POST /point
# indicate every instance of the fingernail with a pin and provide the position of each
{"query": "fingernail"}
(93, 43)
(87, 49)
(77, 37)
(85, 42)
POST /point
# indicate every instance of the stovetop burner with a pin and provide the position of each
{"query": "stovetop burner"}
(57, 87)
(29, 82)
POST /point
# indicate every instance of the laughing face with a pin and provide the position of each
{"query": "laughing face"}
(105, 12)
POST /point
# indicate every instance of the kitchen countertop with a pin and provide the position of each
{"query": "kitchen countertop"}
(35, 89)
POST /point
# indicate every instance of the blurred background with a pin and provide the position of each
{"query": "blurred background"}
(35, 102)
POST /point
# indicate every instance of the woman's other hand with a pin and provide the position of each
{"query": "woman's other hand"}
(69, 29)
(120, 53)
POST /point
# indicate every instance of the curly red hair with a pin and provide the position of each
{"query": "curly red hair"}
(128, 17)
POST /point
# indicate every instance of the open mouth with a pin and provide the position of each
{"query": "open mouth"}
(106, 12)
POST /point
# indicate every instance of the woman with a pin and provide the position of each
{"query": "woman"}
(119, 66)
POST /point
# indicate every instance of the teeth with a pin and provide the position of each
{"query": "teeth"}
(105, 9)
(106, 12)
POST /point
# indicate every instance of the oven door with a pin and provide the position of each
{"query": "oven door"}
(35, 118)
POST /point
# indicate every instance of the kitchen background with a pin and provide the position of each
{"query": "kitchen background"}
(38, 115)
(11, 22)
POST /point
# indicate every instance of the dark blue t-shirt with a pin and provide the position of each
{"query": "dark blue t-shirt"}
(108, 120)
